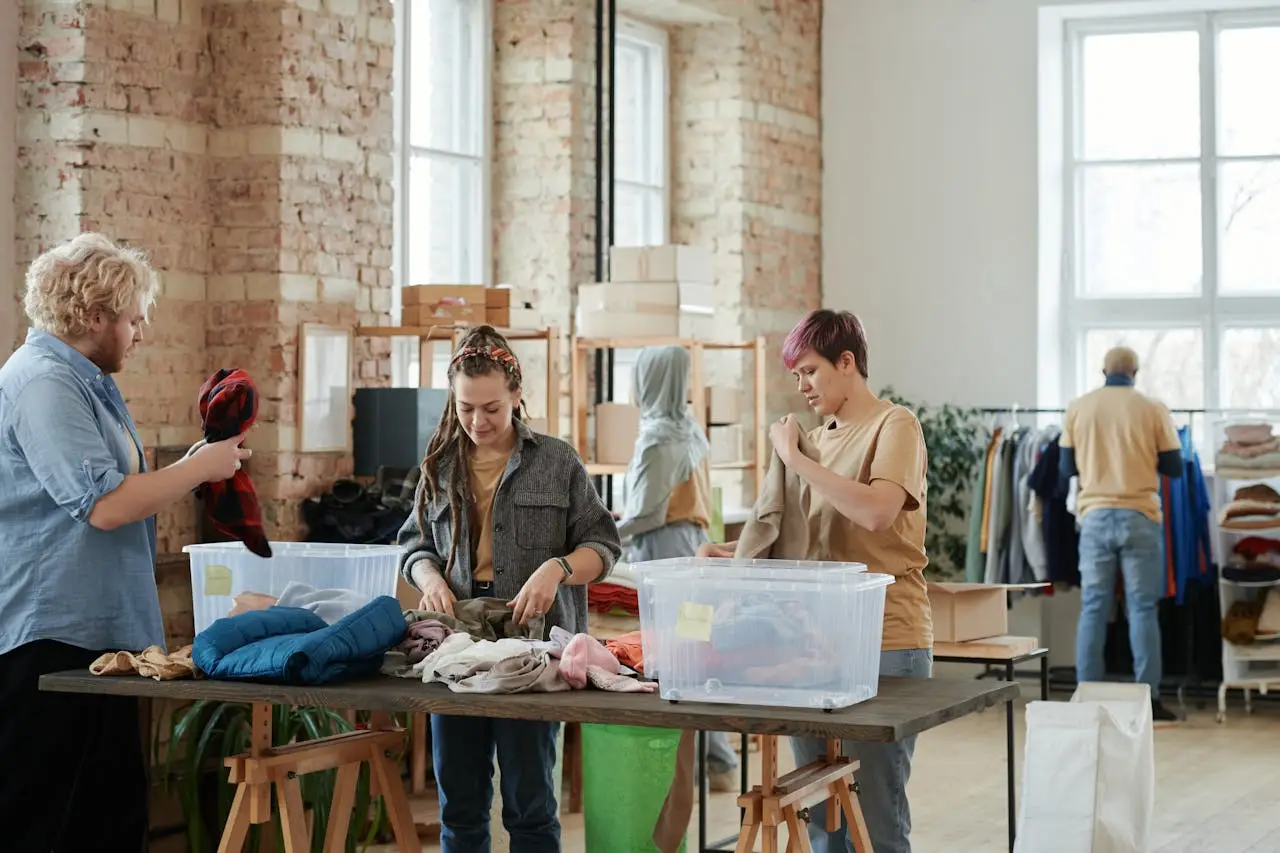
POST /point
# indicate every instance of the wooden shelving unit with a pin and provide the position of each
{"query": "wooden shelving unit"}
(430, 336)
(581, 406)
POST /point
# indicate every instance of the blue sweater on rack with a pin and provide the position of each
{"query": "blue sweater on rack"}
(1188, 554)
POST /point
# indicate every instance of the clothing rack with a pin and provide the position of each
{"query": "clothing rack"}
(1192, 678)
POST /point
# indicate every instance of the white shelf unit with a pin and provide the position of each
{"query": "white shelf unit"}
(1244, 667)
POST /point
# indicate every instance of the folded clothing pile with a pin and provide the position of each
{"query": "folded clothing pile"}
(1254, 559)
(1249, 448)
(1254, 507)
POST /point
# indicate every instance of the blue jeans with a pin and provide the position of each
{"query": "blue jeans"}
(1127, 541)
(462, 751)
(882, 776)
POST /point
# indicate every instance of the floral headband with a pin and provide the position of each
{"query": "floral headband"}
(498, 355)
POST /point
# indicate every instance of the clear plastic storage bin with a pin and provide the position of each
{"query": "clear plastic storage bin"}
(220, 571)
(762, 632)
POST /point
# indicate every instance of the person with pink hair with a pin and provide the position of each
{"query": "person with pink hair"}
(868, 498)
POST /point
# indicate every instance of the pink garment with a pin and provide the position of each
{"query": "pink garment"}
(422, 638)
(1249, 433)
(616, 682)
(582, 652)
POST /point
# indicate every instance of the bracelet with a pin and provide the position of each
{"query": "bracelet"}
(568, 569)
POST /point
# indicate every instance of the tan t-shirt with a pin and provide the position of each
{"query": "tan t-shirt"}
(485, 477)
(690, 500)
(885, 445)
(1118, 434)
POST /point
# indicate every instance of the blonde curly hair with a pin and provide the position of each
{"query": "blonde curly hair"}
(70, 283)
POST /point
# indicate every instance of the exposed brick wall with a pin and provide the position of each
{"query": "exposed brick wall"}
(543, 179)
(747, 163)
(246, 146)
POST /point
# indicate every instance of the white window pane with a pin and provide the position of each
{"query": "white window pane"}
(1249, 197)
(1141, 95)
(1248, 68)
(634, 116)
(1170, 362)
(445, 74)
(1251, 368)
(445, 221)
(1141, 230)
(628, 217)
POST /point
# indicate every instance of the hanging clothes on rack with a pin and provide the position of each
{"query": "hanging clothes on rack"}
(1185, 499)
(1058, 525)
(1006, 539)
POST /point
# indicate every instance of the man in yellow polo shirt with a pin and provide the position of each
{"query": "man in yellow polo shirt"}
(1118, 442)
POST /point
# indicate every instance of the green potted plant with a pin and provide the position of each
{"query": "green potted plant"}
(955, 439)
(203, 734)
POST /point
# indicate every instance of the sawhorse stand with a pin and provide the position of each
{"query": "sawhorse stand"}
(786, 800)
(254, 773)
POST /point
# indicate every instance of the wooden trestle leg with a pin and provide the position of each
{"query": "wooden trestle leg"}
(254, 773)
(785, 800)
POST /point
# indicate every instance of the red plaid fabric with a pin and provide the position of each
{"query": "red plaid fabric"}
(228, 407)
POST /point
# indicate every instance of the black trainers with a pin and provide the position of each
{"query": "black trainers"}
(1161, 714)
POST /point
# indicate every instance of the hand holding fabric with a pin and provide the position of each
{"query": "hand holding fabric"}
(538, 593)
(785, 435)
(228, 405)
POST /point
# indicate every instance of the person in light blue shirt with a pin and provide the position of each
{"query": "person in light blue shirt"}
(77, 549)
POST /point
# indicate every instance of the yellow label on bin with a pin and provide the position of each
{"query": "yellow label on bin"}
(693, 621)
(217, 580)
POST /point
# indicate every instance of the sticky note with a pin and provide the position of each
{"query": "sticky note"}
(217, 580)
(693, 621)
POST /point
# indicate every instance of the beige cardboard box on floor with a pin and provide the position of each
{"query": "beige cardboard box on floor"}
(661, 263)
(971, 611)
(724, 405)
(617, 428)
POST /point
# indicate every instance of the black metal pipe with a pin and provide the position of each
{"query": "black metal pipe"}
(612, 149)
(600, 161)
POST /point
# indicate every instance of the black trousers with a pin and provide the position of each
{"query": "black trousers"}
(75, 775)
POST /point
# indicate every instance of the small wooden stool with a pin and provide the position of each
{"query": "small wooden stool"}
(255, 772)
(782, 800)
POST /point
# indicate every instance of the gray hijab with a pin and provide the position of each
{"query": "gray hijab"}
(669, 434)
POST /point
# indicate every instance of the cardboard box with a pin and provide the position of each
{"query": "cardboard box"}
(971, 611)
(497, 297)
(538, 425)
(724, 405)
(430, 294)
(661, 263)
(639, 309)
(443, 314)
(617, 428)
(728, 444)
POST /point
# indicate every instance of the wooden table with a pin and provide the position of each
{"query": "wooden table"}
(1003, 653)
(904, 707)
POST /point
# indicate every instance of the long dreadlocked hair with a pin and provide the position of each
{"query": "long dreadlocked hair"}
(481, 352)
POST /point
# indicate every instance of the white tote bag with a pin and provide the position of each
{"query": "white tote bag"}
(1089, 775)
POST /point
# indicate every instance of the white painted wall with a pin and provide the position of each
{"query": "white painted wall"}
(929, 194)
(8, 166)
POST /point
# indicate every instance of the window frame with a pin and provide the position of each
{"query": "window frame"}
(405, 351)
(1210, 311)
(655, 42)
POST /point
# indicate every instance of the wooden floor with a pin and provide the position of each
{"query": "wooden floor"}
(1217, 786)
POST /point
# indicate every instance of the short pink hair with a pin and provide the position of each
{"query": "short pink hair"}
(829, 334)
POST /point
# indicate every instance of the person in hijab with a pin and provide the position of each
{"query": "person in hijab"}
(667, 511)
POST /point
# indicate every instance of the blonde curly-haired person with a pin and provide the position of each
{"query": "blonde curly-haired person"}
(77, 549)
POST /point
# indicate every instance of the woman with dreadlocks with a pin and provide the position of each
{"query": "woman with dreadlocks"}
(501, 512)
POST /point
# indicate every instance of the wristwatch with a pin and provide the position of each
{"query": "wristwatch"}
(568, 569)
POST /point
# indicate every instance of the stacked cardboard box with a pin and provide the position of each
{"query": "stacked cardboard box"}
(653, 291)
(617, 428)
(443, 304)
(465, 304)
(728, 444)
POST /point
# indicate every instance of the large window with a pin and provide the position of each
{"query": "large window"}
(442, 153)
(1172, 226)
(641, 209)
(640, 136)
